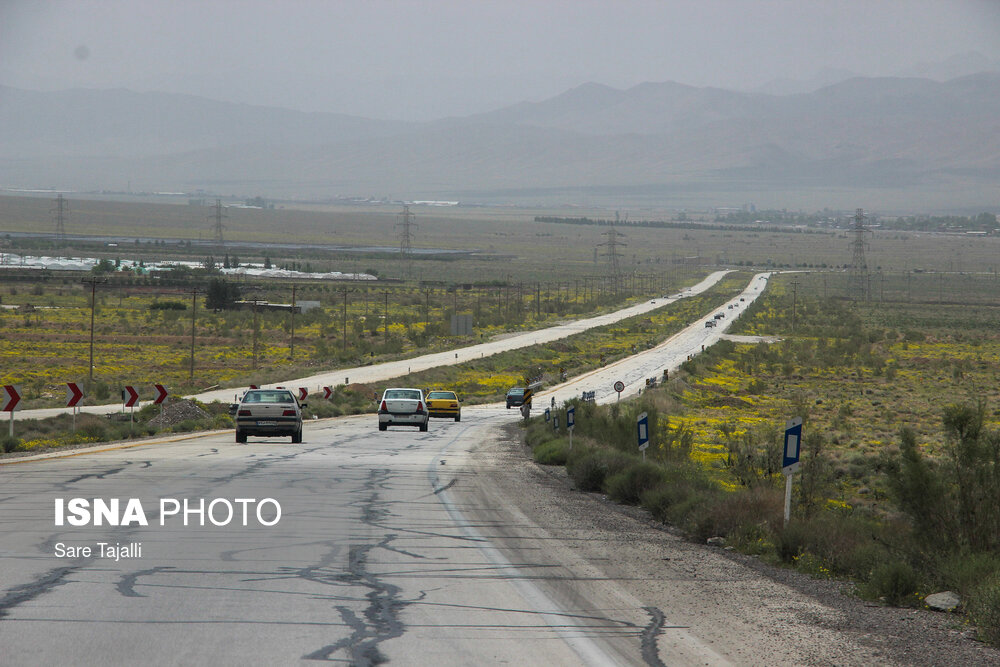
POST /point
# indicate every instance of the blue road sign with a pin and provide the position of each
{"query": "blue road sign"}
(793, 443)
(547, 414)
(570, 417)
(642, 430)
(555, 423)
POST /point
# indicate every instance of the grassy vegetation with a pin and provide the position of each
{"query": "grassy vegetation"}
(900, 482)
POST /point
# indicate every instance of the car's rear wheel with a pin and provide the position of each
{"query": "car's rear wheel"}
(382, 426)
(458, 418)
(297, 436)
(241, 436)
(423, 427)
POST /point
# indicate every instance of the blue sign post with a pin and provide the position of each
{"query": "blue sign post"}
(570, 420)
(790, 463)
(642, 432)
(547, 414)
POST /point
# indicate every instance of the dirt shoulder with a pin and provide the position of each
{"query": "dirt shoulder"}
(653, 598)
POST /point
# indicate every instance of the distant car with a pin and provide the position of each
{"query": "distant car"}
(709, 324)
(720, 316)
(515, 397)
(268, 413)
(403, 407)
(444, 404)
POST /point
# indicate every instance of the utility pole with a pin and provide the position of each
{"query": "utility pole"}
(93, 302)
(795, 286)
(344, 291)
(61, 210)
(194, 308)
(255, 333)
(291, 342)
(386, 293)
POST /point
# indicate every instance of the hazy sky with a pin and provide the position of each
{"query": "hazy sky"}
(418, 60)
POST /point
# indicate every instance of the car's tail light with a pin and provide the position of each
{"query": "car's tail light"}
(288, 413)
(243, 413)
(420, 406)
(383, 408)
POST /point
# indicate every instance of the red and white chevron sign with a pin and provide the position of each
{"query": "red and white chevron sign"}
(161, 394)
(12, 396)
(73, 394)
(130, 396)
(327, 392)
(303, 392)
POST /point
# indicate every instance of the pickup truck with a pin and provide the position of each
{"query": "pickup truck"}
(403, 407)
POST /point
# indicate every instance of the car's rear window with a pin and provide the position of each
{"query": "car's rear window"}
(411, 394)
(269, 397)
(516, 392)
(442, 394)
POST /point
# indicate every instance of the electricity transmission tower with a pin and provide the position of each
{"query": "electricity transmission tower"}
(612, 245)
(405, 236)
(61, 210)
(217, 225)
(859, 265)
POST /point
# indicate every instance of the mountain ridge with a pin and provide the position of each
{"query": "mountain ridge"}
(890, 136)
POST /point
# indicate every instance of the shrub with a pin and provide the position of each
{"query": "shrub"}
(94, 431)
(791, 542)
(589, 470)
(751, 513)
(628, 485)
(983, 607)
(964, 572)
(167, 305)
(550, 453)
(222, 422)
(895, 581)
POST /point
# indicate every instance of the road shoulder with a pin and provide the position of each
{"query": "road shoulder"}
(617, 564)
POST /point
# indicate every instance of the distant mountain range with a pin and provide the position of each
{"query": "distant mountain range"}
(900, 143)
